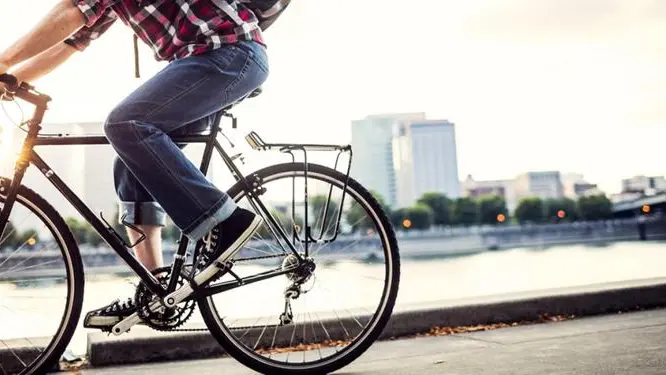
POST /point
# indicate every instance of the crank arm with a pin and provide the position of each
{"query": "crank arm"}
(180, 294)
(124, 325)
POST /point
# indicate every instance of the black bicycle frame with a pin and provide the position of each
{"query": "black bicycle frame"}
(29, 156)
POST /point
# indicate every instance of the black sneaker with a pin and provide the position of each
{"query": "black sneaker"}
(108, 316)
(225, 241)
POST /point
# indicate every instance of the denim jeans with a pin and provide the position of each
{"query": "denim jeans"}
(153, 177)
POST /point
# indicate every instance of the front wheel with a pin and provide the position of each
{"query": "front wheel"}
(309, 322)
(41, 285)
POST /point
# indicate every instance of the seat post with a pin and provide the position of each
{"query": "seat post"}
(216, 123)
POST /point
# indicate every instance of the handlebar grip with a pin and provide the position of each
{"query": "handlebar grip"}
(10, 81)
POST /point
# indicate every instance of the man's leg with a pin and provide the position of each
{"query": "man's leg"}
(143, 212)
(149, 251)
(185, 91)
(137, 207)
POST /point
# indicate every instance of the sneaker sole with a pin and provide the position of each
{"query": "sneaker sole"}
(212, 270)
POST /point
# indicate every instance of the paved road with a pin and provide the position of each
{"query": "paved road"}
(620, 344)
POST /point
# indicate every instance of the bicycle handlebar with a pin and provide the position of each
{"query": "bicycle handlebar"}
(24, 91)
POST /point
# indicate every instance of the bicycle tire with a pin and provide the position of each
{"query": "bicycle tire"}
(51, 354)
(366, 339)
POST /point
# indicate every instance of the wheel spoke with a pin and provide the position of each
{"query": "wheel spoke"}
(331, 315)
(41, 301)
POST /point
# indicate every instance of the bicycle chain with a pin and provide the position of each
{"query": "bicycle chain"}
(235, 261)
(261, 257)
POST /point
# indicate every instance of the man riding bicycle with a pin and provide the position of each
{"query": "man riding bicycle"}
(216, 56)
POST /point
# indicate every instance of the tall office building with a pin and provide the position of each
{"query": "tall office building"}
(425, 160)
(403, 156)
(372, 144)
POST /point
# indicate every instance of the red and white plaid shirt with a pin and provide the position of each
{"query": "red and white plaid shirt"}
(173, 28)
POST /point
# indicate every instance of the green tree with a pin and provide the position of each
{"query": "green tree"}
(28, 237)
(465, 211)
(397, 217)
(490, 207)
(10, 237)
(91, 236)
(441, 207)
(285, 221)
(530, 210)
(595, 207)
(419, 217)
(78, 230)
(317, 206)
(567, 206)
(358, 219)
(83, 232)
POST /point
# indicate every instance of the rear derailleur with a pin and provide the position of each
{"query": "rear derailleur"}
(301, 275)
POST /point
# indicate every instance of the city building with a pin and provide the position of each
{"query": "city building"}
(372, 164)
(501, 188)
(644, 184)
(403, 156)
(574, 185)
(544, 185)
(425, 160)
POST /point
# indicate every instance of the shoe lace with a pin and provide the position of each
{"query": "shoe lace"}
(207, 248)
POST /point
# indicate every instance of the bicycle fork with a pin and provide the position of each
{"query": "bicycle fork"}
(10, 189)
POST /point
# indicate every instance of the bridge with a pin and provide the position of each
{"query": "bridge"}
(654, 203)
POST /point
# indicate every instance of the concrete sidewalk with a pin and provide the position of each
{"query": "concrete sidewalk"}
(632, 343)
(145, 346)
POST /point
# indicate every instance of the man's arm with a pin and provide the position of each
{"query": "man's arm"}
(62, 21)
(44, 63)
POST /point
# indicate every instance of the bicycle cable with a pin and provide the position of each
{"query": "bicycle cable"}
(21, 125)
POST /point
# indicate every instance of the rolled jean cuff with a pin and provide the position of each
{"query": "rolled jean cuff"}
(142, 213)
(217, 214)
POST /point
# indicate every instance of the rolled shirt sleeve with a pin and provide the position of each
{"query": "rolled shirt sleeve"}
(82, 38)
(93, 10)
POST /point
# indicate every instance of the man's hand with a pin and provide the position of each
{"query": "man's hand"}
(4, 68)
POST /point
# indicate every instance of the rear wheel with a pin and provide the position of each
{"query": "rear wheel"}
(309, 323)
(41, 285)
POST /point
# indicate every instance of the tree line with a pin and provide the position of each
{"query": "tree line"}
(436, 209)
(432, 209)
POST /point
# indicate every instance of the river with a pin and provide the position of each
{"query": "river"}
(429, 281)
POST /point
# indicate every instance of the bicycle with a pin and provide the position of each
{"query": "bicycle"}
(303, 257)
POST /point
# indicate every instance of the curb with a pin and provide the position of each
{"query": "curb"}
(148, 346)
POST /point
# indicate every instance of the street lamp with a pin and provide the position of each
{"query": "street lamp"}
(406, 223)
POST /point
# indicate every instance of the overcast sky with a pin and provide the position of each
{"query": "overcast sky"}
(572, 85)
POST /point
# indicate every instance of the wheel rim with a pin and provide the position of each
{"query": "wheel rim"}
(265, 356)
(28, 353)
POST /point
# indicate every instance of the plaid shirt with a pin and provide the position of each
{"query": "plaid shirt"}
(173, 28)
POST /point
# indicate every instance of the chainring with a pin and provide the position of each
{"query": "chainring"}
(163, 319)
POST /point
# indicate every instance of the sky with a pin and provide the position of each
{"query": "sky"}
(569, 85)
